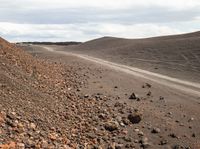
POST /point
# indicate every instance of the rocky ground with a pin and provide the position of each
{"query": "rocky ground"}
(49, 100)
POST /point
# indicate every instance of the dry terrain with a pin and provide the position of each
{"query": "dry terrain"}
(176, 56)
(53, 99)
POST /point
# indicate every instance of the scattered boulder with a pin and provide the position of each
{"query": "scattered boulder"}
(135, 118)
(156, 130)
(144, 142)
(191, 119)
(161, 98)
(173, 135)
(146, 85)
(149, 93)
(32, 126)
(134, 96)
(111, 126)
(115, 146)
(178, 147)
(21, 145)
(86, 96)
(163, 142)
(78, 89)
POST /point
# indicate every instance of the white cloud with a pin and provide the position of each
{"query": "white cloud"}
(108, 4)
(80, 32)
(136, 30)
(81, 20)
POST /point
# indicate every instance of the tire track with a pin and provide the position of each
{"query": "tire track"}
(188, 87)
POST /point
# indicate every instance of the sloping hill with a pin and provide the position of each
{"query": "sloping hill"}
(35, 100)
(28, 87)
(174, 44)
(167, 54)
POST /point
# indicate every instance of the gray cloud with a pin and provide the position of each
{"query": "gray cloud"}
(85, 15)
(82, 20)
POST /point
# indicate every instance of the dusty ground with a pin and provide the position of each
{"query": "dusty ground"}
(174, 114)
(53, 100)
(176, 56)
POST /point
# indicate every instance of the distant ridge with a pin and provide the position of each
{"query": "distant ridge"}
(125, 44)
(52, 43)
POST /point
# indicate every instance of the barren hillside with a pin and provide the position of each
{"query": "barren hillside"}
(55, 100)
(169, 55)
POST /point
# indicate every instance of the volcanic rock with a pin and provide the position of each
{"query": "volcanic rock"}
(111, 126)
(135, 118)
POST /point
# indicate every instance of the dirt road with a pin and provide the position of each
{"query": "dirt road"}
(184, 86)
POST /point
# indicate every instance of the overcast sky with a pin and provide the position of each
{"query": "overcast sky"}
(82, 20)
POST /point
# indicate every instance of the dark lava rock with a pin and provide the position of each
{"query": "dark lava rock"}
(146, 85)
(178, 147)
(135, 118)
(133, 96)
(161, 98)
(173, 135)
(149, 93)
(163, 142)
(86, 96)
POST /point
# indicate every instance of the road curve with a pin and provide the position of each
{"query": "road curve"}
(188, 87)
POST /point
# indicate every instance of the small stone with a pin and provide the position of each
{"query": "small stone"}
(161, 98)
(134, 118)
(140, 133)
(78, 90)
(137, 130)
(170, 113)
(178, 147)
(191, 119)
(193, 135)
(111, 146)
(53, 136)
(122, 124)
(173, 135)
(86, 96)
(21, 145)
(118, 146)
(163, 142)
(136, 141)
(125, 132)
(125, 121)
(111, 126)
(127, 139)
(102, 116)
(33, 126)
(44, 144)
(149, 93)
(156, 130)
(148, 85)
(144, 142)
(133, 96)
